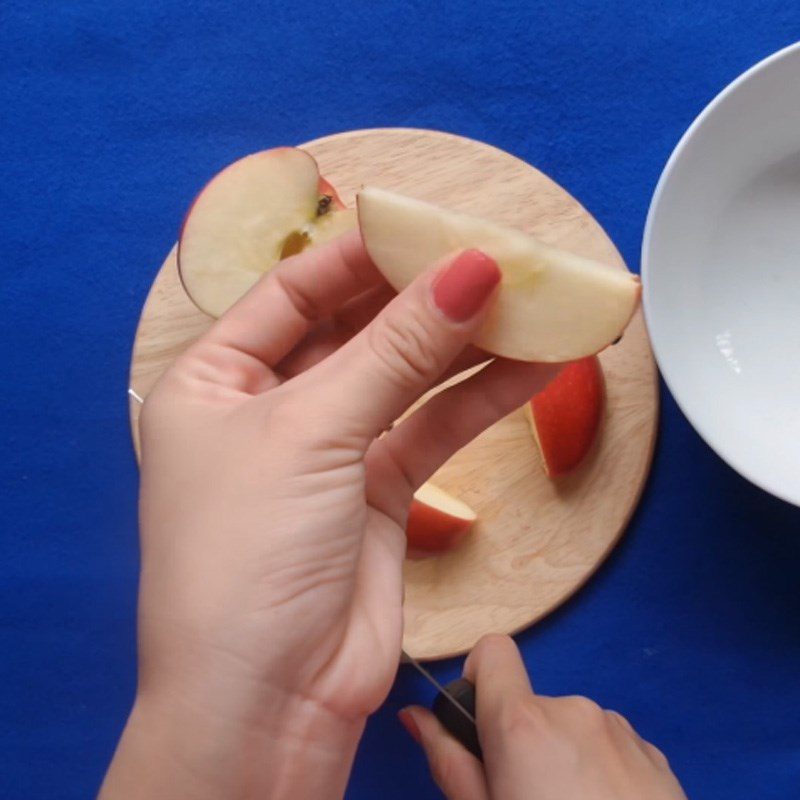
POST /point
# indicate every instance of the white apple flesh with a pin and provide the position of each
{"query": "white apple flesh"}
(255, 212)
(437, 521)
(551, 305)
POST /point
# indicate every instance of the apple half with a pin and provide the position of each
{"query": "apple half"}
(551, 305)
(437, 522)
(566, 415)
(260, 209)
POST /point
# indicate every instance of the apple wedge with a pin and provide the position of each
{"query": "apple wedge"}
(437, 522)
(260, 209)
(566, 415)
(551, 305)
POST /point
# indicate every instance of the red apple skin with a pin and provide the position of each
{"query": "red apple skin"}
(566, 415)
(430, 531)
(326, 187)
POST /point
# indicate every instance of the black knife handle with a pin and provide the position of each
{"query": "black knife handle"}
(453, 720)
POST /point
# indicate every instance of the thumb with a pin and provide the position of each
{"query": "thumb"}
(456, 771)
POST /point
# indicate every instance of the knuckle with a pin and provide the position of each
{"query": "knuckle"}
(302, 301)
(657, 756)
(215, 365)
(520, 718)
(585, 710)
(405, 348)
(618, 719)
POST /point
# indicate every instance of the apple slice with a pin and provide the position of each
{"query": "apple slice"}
(565, 416)
(437, 522)
(260, 209)
(551, 305)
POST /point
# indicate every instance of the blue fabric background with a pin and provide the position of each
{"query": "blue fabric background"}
(114, 113)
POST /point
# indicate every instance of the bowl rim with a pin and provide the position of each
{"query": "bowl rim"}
(720, 448)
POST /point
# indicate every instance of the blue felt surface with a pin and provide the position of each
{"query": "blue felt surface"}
(113, 113)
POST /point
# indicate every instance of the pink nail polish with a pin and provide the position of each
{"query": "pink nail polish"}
(462, 287)
(409, 723)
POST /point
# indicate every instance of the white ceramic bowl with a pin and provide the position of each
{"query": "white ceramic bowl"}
(721, 274)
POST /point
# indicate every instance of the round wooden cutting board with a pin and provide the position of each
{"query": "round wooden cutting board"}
(536, 541)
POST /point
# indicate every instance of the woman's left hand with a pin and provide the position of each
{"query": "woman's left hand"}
(273, 514)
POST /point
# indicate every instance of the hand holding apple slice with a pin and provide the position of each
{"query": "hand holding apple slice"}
(260, 209)
(551, 306)
(565, 416)
(437, 522)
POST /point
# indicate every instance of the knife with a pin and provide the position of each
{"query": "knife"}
(454, 707)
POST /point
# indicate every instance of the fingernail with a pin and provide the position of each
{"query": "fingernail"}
(461, 288)
(410, 724)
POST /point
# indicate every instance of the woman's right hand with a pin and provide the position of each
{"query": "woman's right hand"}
(534, 747)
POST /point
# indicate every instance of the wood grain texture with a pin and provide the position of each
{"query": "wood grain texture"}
(536, 541)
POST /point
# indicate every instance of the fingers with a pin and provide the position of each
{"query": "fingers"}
(622, 724)
(329, 336)
(360, 311)
(628, 734)
(469, 357)
(401, 353)
(454, 417)
(508, 714)
(378, 594)
(555, 746)
(456, 771)
(281, 308)
(496, 668)
(326, 338)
